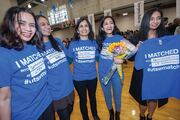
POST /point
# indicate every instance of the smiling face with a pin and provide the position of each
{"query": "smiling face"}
(108, 26)
(44, 26)
(25, 26)
(83, 29)
(155, 20)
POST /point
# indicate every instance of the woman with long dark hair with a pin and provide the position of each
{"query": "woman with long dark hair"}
(109, 33)
(23, 70)
(60, 82)
(151, 27)
(83, 51)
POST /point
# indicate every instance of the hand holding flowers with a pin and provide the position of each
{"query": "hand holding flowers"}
(118, 61)
(120, 51)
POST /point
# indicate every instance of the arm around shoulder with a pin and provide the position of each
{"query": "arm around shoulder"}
(5, 103)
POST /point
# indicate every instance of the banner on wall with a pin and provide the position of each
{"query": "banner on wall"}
(178, 8)
(107, 12)
(76, 20)
(92, 21)
(138, 13)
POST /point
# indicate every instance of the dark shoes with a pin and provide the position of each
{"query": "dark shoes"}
(96, 117)
(111, 114)
(142, 117)
(117, 116)
(148, 118)
(145, 118)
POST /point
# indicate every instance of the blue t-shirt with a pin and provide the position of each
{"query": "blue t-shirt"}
(159, 59)
(106, 60)
(25, 72)
(6, 75)
(60, 81)
(83, 53)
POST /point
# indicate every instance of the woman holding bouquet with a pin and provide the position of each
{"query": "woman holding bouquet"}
(108, 34)
(83, 50)
(151, 27)
(60, 82)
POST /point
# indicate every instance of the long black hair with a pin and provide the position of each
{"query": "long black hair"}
(53, 42)
(145, 25)
(102, 35)
(8, 34)
(76, 33)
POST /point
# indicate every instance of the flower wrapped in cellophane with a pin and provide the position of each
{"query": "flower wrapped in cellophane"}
(121, 50)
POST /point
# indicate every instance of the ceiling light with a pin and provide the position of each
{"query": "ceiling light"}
(29, 5)
(42, 0)
(125, 14)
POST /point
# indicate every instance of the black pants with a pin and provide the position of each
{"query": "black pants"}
(82, 87)
(65, 113)
(64, 106)
(48, 114)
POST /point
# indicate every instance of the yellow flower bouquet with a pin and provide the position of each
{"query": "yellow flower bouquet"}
(121, 50)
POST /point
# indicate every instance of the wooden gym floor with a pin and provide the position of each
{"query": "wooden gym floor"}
(129, 107)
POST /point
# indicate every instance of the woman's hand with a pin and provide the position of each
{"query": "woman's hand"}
(118, 61)
(138, 45)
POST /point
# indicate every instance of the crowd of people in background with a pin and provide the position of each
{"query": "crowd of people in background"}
(37, 81)
(172, 28)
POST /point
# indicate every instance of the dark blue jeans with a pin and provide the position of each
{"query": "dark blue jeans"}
(114, 86)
